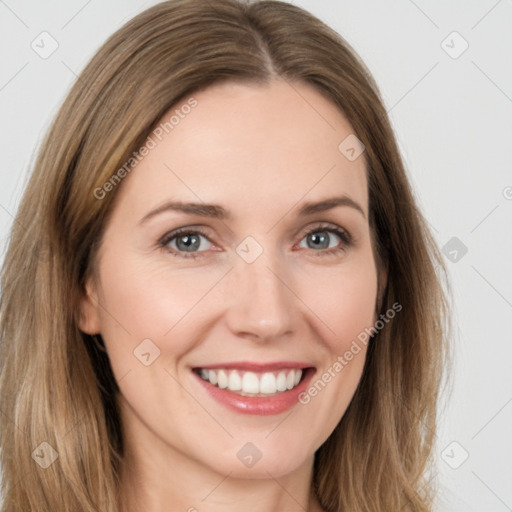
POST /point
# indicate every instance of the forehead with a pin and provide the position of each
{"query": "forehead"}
(253, 147)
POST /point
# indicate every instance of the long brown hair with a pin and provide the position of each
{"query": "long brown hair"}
(56, 384)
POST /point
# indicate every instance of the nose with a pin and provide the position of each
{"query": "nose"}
(261, 303)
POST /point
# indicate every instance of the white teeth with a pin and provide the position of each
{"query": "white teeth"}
(289, 380)
(222, 379)
(281, 382)
(252, 383)
(234, 382)
(212, 376)
(268, 383)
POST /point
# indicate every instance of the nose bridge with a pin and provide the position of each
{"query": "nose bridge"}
(262, 304)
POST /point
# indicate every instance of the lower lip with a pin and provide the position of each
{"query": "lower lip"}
(263, 406)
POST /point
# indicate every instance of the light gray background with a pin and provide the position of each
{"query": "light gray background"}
(452, 117)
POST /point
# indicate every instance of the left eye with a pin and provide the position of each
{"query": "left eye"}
(321, 238)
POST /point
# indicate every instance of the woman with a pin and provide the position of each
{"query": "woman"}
(175, 335)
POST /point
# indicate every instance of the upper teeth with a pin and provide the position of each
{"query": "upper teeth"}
(252, 383)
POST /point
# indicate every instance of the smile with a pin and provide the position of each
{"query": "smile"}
(255, 388)
(248, 383)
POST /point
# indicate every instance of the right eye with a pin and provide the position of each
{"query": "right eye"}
(184, 242)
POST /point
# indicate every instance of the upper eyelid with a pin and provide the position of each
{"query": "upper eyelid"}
(170, 235)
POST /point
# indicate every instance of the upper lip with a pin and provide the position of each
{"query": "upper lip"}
(256, 367)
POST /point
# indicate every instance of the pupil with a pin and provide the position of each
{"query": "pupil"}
(321, 238)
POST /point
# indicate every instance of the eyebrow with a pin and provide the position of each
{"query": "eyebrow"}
(216, 211)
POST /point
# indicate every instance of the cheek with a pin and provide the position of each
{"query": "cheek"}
(141, 301)
(345, 306)
(344, 300)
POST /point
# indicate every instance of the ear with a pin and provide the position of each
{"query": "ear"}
(89, 318)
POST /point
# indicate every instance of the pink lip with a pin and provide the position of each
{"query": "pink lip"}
(263, 406)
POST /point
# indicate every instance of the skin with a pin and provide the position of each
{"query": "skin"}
(261, 152)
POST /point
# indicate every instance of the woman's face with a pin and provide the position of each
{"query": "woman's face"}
(243, 297)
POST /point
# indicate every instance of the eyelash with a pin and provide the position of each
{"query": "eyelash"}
(346, 240)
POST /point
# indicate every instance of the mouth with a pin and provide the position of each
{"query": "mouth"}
(252, 383)
(255, 388)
